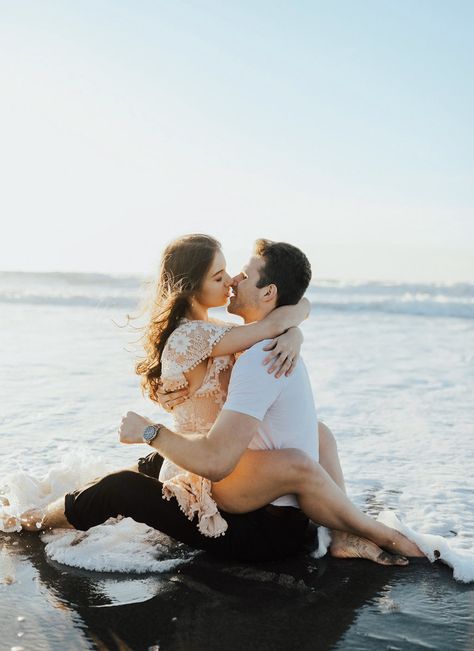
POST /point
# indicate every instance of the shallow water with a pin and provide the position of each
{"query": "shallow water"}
(395, 387)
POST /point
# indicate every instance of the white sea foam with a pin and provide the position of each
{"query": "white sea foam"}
(22, 491)
(121, 545)
(435, 548)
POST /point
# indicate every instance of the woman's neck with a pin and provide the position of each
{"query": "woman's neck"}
(197, 312)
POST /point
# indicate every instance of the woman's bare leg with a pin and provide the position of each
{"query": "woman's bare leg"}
(262, 476)
(343, 544)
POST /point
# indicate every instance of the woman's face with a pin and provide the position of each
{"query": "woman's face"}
(215, 289)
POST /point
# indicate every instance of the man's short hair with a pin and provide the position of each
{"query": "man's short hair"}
(284, 266)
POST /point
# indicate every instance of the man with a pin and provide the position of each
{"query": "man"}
(261, 412)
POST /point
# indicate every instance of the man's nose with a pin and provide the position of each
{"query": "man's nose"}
(236, 279)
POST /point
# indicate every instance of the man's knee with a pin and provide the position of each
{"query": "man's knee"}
(119, 482)
(101, 499)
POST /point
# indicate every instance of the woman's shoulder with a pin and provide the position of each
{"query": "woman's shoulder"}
(188, 345)
(192, 332)
(192, 342)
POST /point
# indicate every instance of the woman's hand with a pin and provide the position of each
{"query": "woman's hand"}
(285, 351)
(171, 399)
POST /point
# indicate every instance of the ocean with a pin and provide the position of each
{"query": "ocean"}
(391, 365)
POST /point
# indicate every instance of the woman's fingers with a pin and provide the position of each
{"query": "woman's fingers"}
(285, 367)
(276, 362)
(270, 346)
(292, 367)
(280, 364)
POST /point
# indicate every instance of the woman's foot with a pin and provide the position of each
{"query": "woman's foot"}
(348, 545)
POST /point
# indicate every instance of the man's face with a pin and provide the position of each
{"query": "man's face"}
(246, 295)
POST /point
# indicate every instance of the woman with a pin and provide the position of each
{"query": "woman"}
(186, 349)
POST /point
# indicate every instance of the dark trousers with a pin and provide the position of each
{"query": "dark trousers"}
(268, 533)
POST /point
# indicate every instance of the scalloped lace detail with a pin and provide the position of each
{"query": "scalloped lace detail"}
(190, 344)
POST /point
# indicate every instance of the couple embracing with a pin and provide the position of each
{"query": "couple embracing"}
(246, 465)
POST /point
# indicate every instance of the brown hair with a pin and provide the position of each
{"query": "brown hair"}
(285, 266)
(183, 268)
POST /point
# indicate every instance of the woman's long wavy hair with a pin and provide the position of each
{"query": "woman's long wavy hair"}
(184, 265)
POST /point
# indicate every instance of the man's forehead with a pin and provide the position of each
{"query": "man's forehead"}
(253, 264)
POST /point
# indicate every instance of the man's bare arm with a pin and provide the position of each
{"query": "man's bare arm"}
(213, 455)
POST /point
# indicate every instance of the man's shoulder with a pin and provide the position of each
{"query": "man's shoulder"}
(253, 354)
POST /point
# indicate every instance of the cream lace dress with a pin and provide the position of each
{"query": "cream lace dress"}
(190, 344)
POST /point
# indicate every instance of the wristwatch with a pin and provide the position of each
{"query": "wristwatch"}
(151, 432)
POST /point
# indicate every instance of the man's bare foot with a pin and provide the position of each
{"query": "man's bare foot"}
(32, 520)
(397, 543)
(348, 545)
(8, 521)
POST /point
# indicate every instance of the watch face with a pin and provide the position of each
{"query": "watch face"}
(149, 433)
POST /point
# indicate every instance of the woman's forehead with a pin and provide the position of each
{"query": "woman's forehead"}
(218, 264)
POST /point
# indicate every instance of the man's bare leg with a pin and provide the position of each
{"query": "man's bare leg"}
(343, 544)
(51, 517)
(37, 519)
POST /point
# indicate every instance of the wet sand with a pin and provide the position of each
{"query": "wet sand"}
(300, 603)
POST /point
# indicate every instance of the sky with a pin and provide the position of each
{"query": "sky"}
(343, 127)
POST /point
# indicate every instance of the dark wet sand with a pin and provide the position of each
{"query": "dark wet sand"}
(296, 604)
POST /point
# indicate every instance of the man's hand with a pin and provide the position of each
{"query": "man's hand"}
(132, 427)
(171, 399)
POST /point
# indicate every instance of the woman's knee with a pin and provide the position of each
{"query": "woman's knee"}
(326, 437)
(301, 466)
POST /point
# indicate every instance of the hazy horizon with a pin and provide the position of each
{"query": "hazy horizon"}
(344, 128)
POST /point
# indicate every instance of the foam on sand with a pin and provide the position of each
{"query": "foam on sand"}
(123, 545)
(435, 547)
(118, 545)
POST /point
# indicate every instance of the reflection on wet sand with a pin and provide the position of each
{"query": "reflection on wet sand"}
(299, 603)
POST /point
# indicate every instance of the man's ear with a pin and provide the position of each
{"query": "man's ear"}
(270, 293)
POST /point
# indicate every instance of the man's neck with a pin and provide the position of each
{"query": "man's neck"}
(256, 315)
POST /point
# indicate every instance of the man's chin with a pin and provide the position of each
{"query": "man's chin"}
(233, 307)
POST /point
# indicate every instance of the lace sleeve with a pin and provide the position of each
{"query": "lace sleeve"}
(191, 343)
